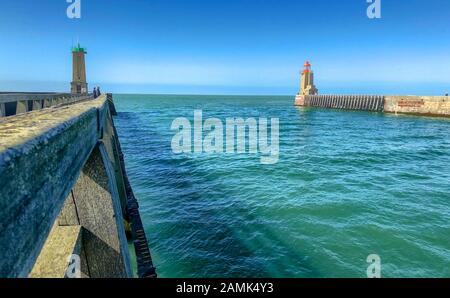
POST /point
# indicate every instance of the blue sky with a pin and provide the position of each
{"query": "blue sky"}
(228, 47)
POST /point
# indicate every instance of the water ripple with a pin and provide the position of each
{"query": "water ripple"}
(348, 184)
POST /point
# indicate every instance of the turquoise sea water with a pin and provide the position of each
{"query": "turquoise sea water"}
(347, 184)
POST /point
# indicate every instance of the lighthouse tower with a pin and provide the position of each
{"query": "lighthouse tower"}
(79, 84)
(307, 86)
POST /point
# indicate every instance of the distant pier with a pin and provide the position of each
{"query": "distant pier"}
(416, 105)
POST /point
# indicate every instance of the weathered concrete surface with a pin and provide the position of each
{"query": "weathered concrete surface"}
(41, 156)
(54, 259)
(419, 105)
(94, 204)
(62, 170)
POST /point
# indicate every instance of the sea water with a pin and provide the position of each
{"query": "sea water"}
(347, 185)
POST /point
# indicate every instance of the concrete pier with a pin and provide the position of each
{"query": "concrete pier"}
(64, 191)
(417, 105)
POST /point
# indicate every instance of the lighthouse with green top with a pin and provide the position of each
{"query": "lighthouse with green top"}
(79, 84)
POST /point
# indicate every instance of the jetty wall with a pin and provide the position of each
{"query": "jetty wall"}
(13, 103)
(417, 105)
(65, 196)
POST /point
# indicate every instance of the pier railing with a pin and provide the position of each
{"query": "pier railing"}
(373, 103)
(18, 103)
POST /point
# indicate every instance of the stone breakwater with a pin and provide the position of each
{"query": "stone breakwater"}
(417, 105)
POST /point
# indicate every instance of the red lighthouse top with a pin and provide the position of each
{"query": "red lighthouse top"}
(307, 67)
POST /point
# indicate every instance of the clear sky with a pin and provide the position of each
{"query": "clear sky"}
(228, 47)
